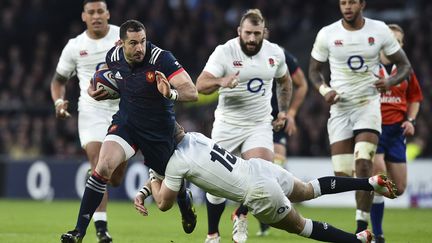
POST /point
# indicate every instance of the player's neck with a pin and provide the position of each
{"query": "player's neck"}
(357, 24)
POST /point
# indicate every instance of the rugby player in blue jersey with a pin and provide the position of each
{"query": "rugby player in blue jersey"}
(145, 119)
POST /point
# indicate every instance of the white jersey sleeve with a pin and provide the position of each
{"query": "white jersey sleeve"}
(282, 67)
(67, 64)
(320, 50)
(216, 63)
(390, 44)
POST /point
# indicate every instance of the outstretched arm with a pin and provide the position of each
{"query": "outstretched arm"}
(185, 89)
(163, 196)
(207, 83)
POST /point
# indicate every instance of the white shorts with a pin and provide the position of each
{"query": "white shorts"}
(239, 139)
(93, 123)
(267, 198)
(342, 123)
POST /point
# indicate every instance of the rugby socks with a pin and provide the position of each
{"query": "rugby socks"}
(337, 184)
(322, 231)
(93, 194)
(100, 221)
(362, 219)
(377, 214)
(214, 213)
(241, 210)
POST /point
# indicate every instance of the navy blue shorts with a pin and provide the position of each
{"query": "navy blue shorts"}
(392, 143)
(280, 137)
(156, 150)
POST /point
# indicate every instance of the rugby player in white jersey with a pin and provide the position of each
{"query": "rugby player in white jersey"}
(352, 47)
(242, 70)
(265, 188)
(82, 56)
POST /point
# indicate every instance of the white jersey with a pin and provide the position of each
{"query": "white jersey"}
(83, 56)
(249, 102)
(354, 59)
(199, 160)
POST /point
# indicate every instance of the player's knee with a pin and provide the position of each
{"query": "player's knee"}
(343, 164)
(400, 188)
(364, 151)
(214, 200)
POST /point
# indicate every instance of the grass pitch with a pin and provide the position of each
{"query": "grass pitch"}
(23, 221)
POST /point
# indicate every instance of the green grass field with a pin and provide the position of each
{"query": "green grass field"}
(43, 222)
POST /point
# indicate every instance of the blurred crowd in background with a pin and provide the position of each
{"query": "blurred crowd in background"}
(33, 33)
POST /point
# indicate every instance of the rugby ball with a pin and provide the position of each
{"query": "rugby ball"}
(104, 79)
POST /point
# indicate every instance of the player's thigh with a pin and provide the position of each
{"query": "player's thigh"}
(339, 126)
(228, 136)
(93, 125)
(398, 173)
(258, 142)
(367, 118)
(112, 154)
(267, 201)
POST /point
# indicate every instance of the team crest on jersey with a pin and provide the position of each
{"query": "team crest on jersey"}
(371, 41)
(271, 62)
(237, 64)
(83, 53)
(150, 76)
(338, 43)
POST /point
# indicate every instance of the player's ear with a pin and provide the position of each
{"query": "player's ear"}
(238, 30)
(363, 4)
(108, 14)
(83, 16)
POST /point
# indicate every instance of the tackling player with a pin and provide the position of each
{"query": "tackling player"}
(399, 108)
(145, 119)
(82, 56)
(265, 188)
(242, 70)
(352, 47)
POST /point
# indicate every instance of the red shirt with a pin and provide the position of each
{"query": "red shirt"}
(394, 101)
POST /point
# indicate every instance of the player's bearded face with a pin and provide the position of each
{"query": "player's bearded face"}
(350, 9)
(135, 46)
(251, 37)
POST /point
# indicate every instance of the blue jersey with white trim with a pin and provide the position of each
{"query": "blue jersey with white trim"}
(142, 106)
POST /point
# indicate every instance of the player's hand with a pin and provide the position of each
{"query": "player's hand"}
(97, 94)
(408, 128)
(332, 97)
(163, 85)
(382, 84)
(230, 81)
(61, 110)
(139, 204)
(280, 121)
(291, 126)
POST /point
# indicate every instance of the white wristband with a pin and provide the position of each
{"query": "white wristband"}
(58, 102)
(173, 95)
(145, 191)
(324, 89)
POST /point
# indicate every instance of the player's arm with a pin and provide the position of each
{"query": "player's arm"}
(403, 71)
(58, 91)
(317, 78)
(163, 196)
(184, 90)
(301, 87)
(207, 83)
(284, 93)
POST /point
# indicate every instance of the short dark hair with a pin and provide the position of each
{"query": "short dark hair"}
(131, 25)
(254, 16)
(93, 1)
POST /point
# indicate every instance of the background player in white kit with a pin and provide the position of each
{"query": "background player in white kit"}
(242, 70)
(83, 55)
(352, 46)
(263, 187)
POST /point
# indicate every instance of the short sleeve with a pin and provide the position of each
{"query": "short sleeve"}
(67, 64)
(390, 44)
(168, 65)
(320, 50)
(175, 171)
(216, 63)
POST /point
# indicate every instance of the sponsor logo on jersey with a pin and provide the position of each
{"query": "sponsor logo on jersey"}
(118, 75)
(371, 41)
(271, 62)
(150, 76)
(237, 64)
(83, 53)
(338, 43)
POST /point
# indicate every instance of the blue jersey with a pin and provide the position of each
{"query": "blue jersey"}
(145, 118)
